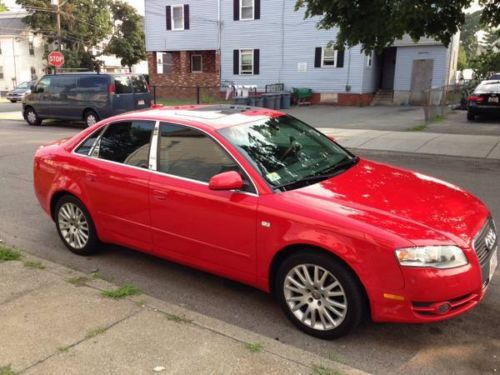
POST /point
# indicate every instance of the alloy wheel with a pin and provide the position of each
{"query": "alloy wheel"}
(31, 117)
(73, 225)
(315, 297)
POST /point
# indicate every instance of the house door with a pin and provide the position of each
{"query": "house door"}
(421, 81)
(388, 68)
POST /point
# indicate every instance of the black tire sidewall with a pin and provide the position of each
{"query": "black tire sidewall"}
(471, 116)
(93, 241)
(87, 114)
(350, 284)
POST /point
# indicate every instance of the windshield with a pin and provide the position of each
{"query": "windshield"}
(287, 152)
(24, 85)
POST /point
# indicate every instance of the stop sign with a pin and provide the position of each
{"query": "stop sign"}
(56, 59)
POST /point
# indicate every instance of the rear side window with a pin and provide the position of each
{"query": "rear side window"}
(87, 145)
(62, 84)
(93, 83)
(139, 84)
(123, 85)
(127, 143)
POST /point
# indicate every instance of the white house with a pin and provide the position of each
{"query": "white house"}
(21, 52)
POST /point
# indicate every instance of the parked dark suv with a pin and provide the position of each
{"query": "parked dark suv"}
(85, 96)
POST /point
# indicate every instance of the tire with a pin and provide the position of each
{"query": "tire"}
(90, 117)
(13, 101)
(471, 116)
(31, 117)
(80, 237)
(313, 301)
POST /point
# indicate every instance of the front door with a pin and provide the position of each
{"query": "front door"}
(118, 187)
(213, 230)
(421, 81)
(42, 97)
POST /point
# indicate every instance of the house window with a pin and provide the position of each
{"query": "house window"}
(247, 9)
(196, 64)
(32, 49)
(1, 72)
(369, 60)
(168, 63)
(178, 17)
(329, 58)
(246, 61)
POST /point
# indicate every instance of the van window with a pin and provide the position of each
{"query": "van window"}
(139, 84)
(123, 85)
(43, 85)
(61, 84)
(93, 83)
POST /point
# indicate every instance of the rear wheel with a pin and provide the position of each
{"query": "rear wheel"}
(471, 116)
(90, 117)
(75, 226)
(32, 117)
(13, 101)
(319, 295)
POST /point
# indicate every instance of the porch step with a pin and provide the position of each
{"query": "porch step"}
(383, 97)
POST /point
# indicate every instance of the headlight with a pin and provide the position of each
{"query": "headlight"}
(432, 256)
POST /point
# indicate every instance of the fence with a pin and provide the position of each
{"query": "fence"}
(436, 101)
(181, 95)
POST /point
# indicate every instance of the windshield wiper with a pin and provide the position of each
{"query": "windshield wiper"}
(324, 174)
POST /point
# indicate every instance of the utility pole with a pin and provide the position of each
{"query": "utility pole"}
(58, 24)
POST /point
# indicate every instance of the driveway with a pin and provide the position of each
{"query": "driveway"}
(469, 344)
(393, 118)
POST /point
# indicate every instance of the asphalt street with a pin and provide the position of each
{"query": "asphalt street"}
(468, 344)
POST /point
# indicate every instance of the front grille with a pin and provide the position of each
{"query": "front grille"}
(480, 243)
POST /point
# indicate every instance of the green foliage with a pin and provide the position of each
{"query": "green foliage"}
(468, 38)
(124, 291)
(377, 24)
(3, 7)
(7, 254)
(254, 347)
(127, 41)
(6, 370)
(486, 64)
(463, 60)
(34, 265)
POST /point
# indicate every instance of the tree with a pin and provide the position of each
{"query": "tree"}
(127, 41)
(486, 64)
(83, 26)
(468, 34)
(376, 24)
(3, 7)
(463, 61)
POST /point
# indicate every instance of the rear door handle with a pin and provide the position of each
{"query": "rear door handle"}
(160, 195)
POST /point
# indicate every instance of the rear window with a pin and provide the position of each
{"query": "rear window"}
(123, 85)
(139, 83)
(488, 88)
(93, 83)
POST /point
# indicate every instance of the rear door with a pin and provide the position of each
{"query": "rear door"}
(63, 96)
(93, 93)
(142, 96)
(123, 100)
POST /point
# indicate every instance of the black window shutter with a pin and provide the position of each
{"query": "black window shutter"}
(169, 17)
(236, 10)
(340, 58)
(236, 62)
(186, 16)
(257, 10)
(256, 61)
(317, 57)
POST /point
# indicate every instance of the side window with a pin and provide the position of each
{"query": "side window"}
(139, 83)
(189, 153)
(123, 85)
(127, 143)
(87, 145)
(42, 85)
(62, 85)
(93, 83)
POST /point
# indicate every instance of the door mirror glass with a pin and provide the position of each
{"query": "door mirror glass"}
(226, 181)
(32, 88)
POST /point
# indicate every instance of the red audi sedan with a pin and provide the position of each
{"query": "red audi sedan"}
(260, 197)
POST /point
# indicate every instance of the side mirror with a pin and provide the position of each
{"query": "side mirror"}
(332, 138)
(32, 88)
(226, 181)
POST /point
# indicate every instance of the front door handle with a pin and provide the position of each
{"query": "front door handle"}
(160, 195)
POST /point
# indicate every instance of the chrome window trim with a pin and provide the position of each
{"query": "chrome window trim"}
(153, 158)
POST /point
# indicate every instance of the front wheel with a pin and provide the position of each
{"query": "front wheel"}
(319, 295)
(471, 116)
(75, 226)
(32, 117)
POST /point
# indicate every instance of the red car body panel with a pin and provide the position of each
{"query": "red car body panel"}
(361, 216)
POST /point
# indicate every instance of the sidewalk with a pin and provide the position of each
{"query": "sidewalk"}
(474, 146)
(54, 320)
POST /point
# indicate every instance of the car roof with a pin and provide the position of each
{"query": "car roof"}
(212, 116)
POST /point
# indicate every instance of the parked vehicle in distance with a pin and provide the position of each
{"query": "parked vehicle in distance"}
(20, 91)
(260, 197)
(495, 76)
(484, 100)
(85, 96)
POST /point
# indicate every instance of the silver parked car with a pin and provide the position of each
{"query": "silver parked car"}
(20, 91)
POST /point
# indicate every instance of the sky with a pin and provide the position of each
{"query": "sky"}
(138, 4)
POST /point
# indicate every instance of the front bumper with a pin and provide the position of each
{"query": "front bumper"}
(432, 295)
(15, 97)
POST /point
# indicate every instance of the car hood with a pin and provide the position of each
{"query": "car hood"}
(417, 207)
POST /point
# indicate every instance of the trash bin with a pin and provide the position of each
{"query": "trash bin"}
(269, 100)
(240, 100)
(277, 101)
(259, 101)
(286, 98)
